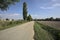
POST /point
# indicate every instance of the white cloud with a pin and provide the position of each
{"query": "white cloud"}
(35, 16)
(46, 7)
(54, 0)
(51, 7)
(0, 14)
(11, 16)
(56, 5)
(15, 14)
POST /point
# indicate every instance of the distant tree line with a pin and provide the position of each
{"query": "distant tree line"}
(48, 19)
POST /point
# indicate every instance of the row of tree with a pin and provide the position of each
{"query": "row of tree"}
(48, 19)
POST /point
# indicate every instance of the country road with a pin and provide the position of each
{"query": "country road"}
(21, 32)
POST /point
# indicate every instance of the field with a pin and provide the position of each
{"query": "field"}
(54, 24)
(8, 24)
(47, 30)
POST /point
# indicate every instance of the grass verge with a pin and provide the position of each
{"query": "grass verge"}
(43, 32)
(8, 24)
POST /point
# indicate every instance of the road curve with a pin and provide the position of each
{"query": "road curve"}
(20, 32)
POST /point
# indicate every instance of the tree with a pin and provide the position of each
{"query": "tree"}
(29, 18)
(4, 4)
(24, 11)
(51, 19)
(7, 19)
(57, 19)
(12, 19)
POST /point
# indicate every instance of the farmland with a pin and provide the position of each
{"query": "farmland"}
(54, 24)
(46, 30)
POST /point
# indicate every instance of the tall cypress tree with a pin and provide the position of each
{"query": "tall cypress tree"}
(24, 11)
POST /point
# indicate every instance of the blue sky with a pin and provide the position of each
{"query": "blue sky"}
(37, 9)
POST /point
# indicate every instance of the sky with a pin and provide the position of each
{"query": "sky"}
(36, 8)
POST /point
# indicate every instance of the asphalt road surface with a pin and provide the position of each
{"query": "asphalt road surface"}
(20, 32)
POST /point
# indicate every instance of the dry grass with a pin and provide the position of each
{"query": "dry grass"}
(8, 24)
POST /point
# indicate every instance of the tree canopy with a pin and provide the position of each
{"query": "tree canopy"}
(4, 4)
(24, 11)
(29, 18)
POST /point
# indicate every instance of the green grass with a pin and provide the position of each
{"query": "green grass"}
(8, 24)
(43, 32)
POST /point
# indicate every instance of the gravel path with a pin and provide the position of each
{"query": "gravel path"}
(20, 32)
